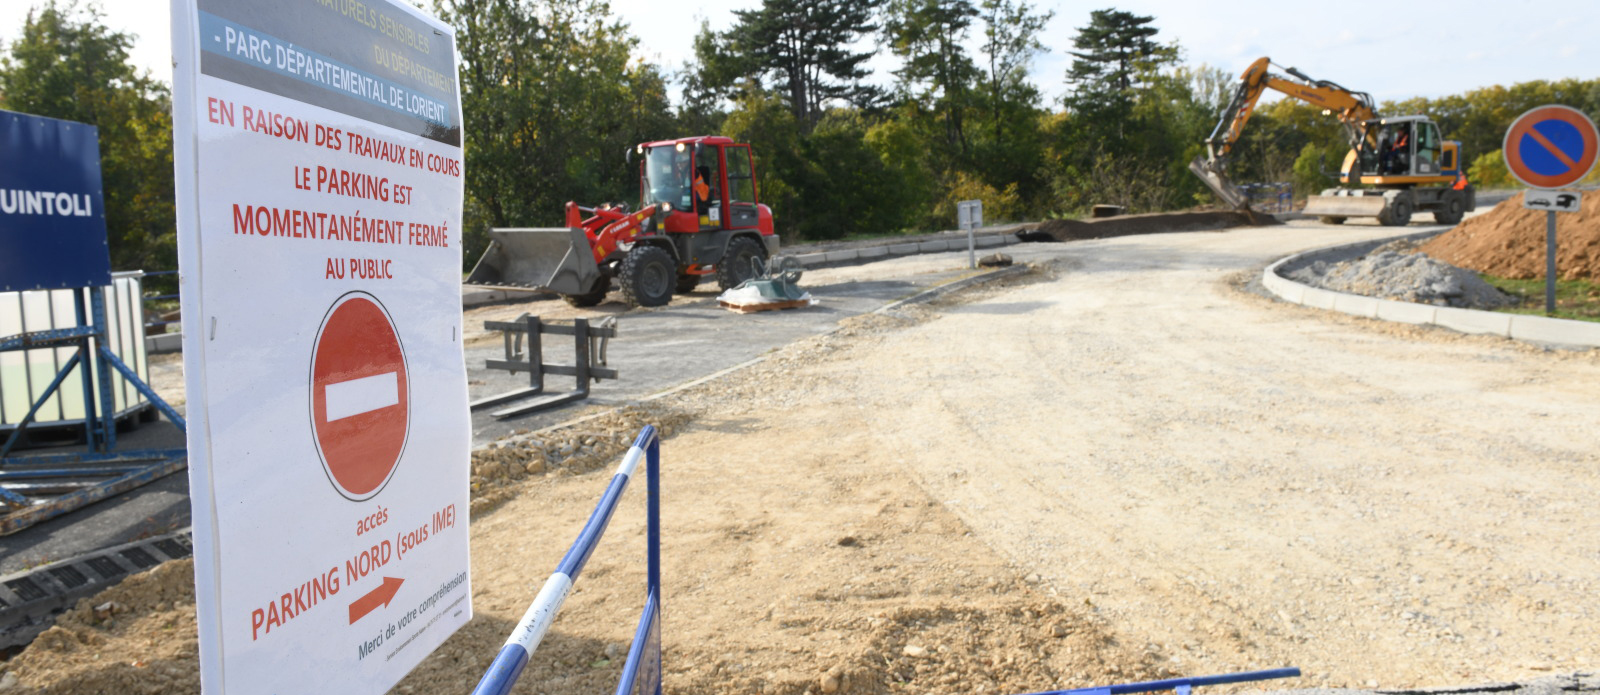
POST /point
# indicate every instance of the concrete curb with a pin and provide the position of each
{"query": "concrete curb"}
(1524, 327)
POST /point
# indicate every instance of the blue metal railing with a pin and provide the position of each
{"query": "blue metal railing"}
(1181, 685)
(643, 667)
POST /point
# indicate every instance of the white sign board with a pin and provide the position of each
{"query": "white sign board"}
(319, 170)
(1558, 201)
(969, 214)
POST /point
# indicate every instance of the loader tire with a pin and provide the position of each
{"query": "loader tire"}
(1452, 211)
(602, 285)
(647, 276)
(1332, 219)
(736, 265)
(1397, 213)
(686, 283)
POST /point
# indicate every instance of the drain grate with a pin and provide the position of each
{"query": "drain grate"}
(173, 548)
(26, 589)
(30, 600)
(106, 567)
(69, 577)
(139, 557)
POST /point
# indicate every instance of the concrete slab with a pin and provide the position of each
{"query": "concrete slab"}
(163, 342)
(812, 259)
(899, 249)
(984, 242)
(933, 246)
(841, 256)
(1406, 312)
(1472, 321)
(872, 252)
(1544, 329)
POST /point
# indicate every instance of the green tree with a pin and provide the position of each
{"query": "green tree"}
(1489, 170)
(803, 49)
(67, 64)
(551, 102)
(928, 35)
(1115, 54)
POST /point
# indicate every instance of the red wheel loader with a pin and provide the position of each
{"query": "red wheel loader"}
(698, 215)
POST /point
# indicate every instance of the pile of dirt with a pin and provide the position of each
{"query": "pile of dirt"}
(1509, 241)
(1153, 223)
(1393, 273)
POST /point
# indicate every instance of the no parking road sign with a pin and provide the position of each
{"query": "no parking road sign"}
(1551, 146)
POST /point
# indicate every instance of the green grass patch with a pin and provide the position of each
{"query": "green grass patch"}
(1575, 299)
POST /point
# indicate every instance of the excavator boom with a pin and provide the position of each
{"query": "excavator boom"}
(1353, 109)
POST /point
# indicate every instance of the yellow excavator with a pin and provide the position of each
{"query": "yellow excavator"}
(1408, 167)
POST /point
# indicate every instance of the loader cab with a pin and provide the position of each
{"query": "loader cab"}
(708, 183)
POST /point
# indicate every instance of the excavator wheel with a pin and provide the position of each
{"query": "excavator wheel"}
(602, 285)
(686, 283)
(1331, 219)
(736, 265)
(647, 276)
(1397, 213)
(1453, 210)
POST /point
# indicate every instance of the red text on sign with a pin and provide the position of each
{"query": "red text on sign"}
(291, 604)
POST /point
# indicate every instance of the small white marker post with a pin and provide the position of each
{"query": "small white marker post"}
(969, 214)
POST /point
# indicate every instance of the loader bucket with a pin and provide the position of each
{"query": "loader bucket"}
(557, 259)
(1344, 205)
(1219, 184)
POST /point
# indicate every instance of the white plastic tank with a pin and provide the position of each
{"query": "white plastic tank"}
(24, 374)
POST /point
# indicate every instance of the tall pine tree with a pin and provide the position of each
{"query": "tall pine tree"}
(804, 49)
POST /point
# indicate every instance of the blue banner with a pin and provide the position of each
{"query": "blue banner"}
(52, 210)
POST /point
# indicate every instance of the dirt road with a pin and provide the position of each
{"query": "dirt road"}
(1120, 468)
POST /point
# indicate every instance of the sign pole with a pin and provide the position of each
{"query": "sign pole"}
(1550, 263)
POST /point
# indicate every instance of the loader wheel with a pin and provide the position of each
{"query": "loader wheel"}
(1331, 219)
(736, 266)
(1452, 212)
(1397, 214)
(647, 276)
(602, 285)
(687, 283)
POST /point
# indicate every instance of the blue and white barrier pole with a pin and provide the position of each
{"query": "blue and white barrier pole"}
(525, 638)
(1181, 685)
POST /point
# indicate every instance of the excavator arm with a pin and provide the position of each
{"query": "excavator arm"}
(1351, 107)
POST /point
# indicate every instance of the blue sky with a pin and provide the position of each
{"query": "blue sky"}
(1394, 50)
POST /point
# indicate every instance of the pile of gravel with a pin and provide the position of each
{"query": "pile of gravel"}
(1408, 277)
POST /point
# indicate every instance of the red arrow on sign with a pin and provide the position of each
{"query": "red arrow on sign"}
(377, 597)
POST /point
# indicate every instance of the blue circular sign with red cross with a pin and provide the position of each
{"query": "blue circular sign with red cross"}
(1551, 146)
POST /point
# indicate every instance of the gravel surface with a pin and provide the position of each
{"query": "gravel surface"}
(1118, 468)
(1405, 275)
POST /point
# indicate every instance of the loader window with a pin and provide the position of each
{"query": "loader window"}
(741, 185)
(667, 177)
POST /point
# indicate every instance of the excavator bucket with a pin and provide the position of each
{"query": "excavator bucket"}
(1344, 205)
(1219, 184)
(557, 259)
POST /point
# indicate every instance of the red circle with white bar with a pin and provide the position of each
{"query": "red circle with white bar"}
(360, 395)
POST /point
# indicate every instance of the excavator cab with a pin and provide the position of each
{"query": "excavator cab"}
(1402, 147)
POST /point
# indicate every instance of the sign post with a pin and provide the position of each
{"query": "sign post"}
(969, 215)
(1551, 147)
(319, 171)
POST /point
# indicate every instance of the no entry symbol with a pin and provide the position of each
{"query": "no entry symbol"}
(360, 395)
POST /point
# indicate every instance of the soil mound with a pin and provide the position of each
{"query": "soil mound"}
(1508, 241)
(1153, 223)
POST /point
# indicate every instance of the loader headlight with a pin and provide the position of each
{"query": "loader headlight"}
(680, 147)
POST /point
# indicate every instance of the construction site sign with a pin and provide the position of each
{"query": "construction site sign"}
(52, 216)
(318, 155)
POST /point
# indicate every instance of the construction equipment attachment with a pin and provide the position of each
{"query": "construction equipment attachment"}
(557, 259)
(1219, 184)
(524, 352)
